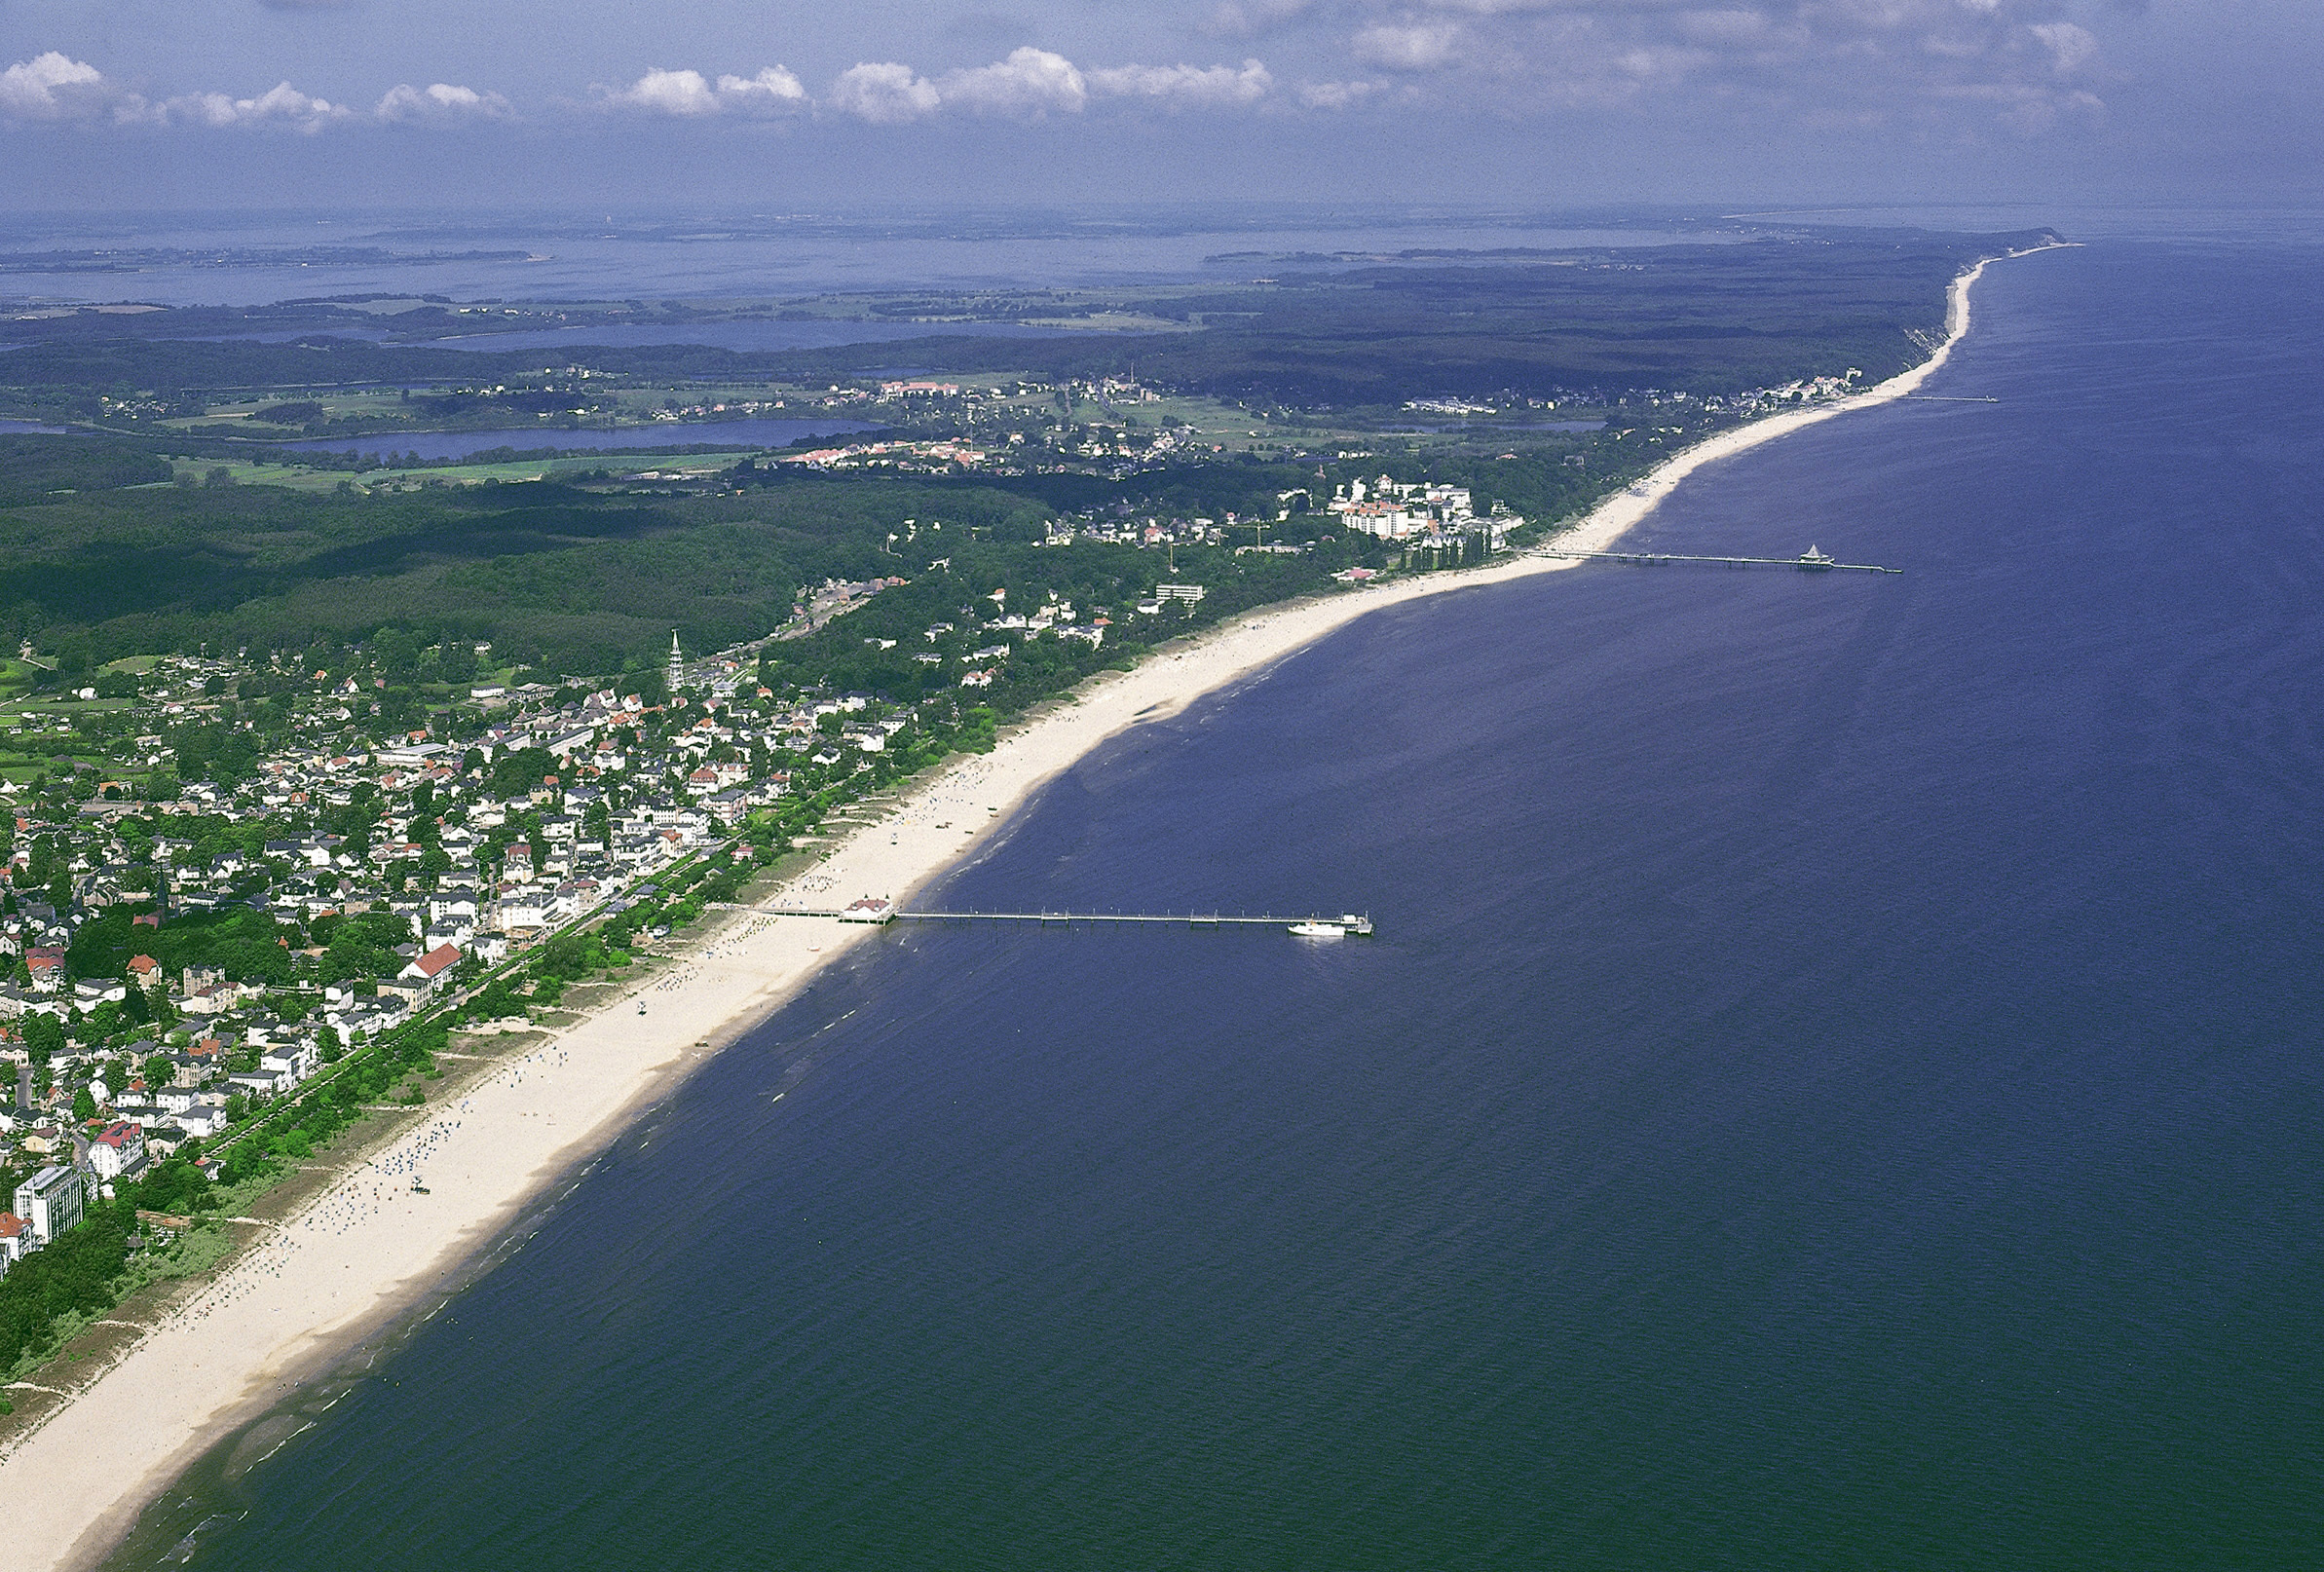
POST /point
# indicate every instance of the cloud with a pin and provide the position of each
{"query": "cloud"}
(57, 86)
(689, 95)
(884, 93)
(775, 87)
(1932, 64)
(1240, 18)
(1184, 86)
(440, 101)
(2029, 110)
(2069, 46)
(1030, 82)
(1033, 83)
(282, 104)
(1337, 94)
(1406, 47)
(670, 93)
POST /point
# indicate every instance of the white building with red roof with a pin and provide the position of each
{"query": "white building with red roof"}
(118, 1150)
(430, 970)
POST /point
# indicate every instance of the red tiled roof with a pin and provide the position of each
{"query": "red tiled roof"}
(438, 960)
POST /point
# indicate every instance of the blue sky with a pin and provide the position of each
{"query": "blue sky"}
(430, 101)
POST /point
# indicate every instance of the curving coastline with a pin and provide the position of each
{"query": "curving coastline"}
(365, 1250)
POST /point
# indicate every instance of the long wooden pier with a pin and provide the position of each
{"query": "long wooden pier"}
(1188, 919)
(880, 914)
(1810, 563)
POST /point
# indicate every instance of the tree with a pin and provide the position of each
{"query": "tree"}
(84, 1105)
(44, 1038)
(160, 1070)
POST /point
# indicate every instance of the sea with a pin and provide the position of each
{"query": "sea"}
(1836, 1082)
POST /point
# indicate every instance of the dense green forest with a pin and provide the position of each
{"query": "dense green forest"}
(580, 581)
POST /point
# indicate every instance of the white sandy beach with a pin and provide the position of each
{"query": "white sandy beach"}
(367, 1248)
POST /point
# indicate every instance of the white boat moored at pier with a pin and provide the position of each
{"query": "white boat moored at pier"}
(1325, 928)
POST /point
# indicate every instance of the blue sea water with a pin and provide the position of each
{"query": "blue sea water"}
(1837, 1083)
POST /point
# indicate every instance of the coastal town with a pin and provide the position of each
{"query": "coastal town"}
(251, 893)
(183, 970)
(230, 875)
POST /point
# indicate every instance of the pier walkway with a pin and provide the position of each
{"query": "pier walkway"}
(880, 914)
(1810, 561)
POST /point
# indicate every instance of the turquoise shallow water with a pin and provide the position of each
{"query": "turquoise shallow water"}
(1836, 1084)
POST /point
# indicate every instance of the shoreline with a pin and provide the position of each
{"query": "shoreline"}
(364, 1251)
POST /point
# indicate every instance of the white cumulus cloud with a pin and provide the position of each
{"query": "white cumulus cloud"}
(1203, 86)
(282, 104)
(884, 93)
(670, 93)
(1030, 81)
(441, 101)
(773, 89)
(689, 95)
(57, 86)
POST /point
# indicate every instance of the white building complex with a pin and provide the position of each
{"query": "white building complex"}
(1392, 511)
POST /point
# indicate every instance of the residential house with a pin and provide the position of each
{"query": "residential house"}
(46, 963)
(431, 969)
(299, 1061)
(118, 1151)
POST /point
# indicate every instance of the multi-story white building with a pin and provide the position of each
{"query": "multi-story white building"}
(52, 1201)
(118, 1149)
